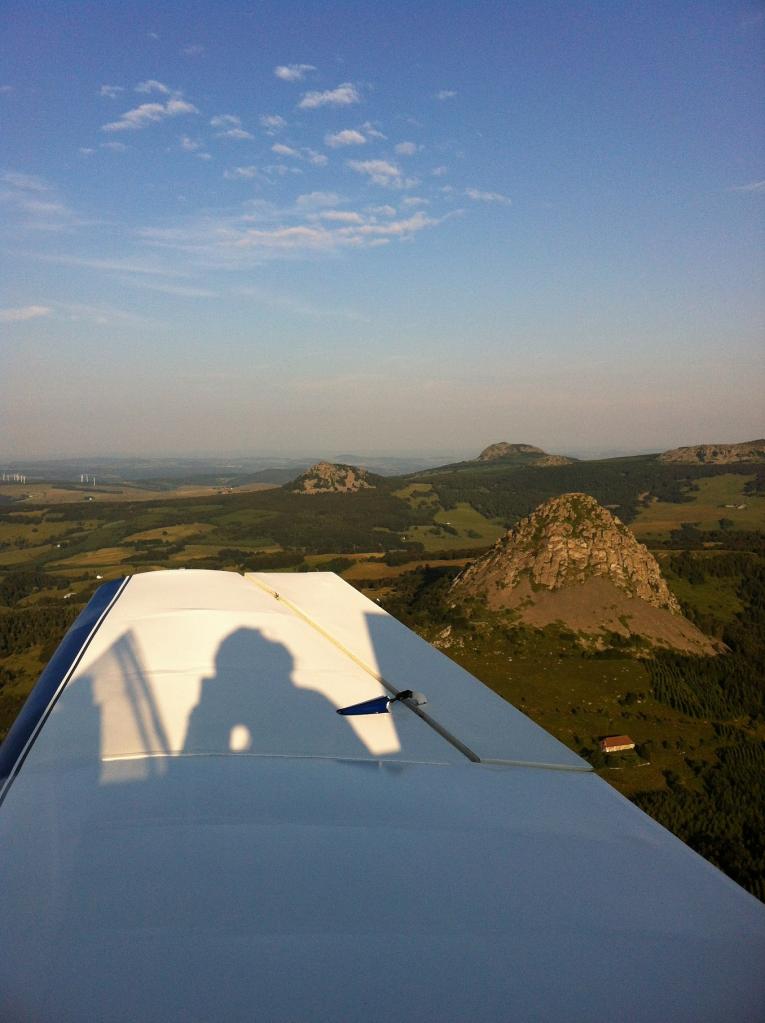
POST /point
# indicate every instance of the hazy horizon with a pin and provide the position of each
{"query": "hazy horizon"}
(316, 228)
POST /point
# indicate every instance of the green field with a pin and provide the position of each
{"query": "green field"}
(707, 507)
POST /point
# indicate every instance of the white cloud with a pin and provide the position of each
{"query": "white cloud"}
(752, 186)
(478, 196)
(314, 200)
(26, 182)
(195, 50)
(281, 150)
(342, 216)
(189, 144)
(86, 151)
(317, 159)
(344, 95)
(116, 147)
(150, 113)
(293, 72)
(385, 211)
(372, 130)
(272, 123)
(241, 172)
(35, 198)
(27, 312)
(382, 172)
(114, 265)
(348, 137)
(230, 127)
(225, 121)
(203, 156)
(151, 85)
(415, 200)
(445, 94)
(406, 148)
(110, 91)
(235, 133)
(438, 172)
(176, 289)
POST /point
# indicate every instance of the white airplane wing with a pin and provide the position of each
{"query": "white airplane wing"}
(189, 831)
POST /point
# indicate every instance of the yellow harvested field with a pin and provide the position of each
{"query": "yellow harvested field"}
(171, 534)
(103, 557)
(379, 570)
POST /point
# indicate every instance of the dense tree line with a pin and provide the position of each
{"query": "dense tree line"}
(510, 493)
(731, 684)
(721, 825)
(17, 585)
(27, 627)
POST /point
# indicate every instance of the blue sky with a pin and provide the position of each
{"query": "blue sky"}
(315, 227)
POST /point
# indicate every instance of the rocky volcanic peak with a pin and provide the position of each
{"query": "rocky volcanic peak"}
(502, 450)
(568, 540)
(332, 478)
(717, 454)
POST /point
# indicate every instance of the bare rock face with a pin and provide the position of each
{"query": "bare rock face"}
(503, 450)
(573, 563)
(717, 454)
(548, 460)
(566, 541)
(332, 478)
(534, 456)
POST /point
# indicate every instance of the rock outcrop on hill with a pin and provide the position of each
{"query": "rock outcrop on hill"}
(332, 478)
(537, 456)
(503, 450)
(717, 454)
(572, 561)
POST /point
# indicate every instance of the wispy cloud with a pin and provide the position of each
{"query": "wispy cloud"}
(372, 130)
(344, 95)
(121, 266)
(406, 148)
(195, 50)
(293, 72)
(438, 172)
(382, 172)
(478, 196)
(241, 172)
(281, 150)
(37, 201)
(445, 94)
(6, 90)
(189, 144)
(230, 127)
(150, 113)
(315, 200)
(752, 186)
(115, 147)
(152, 85)
(23, 313)
(110, 91)
(272, 123)
(181, 290)
(341, 216)
(348, 137)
